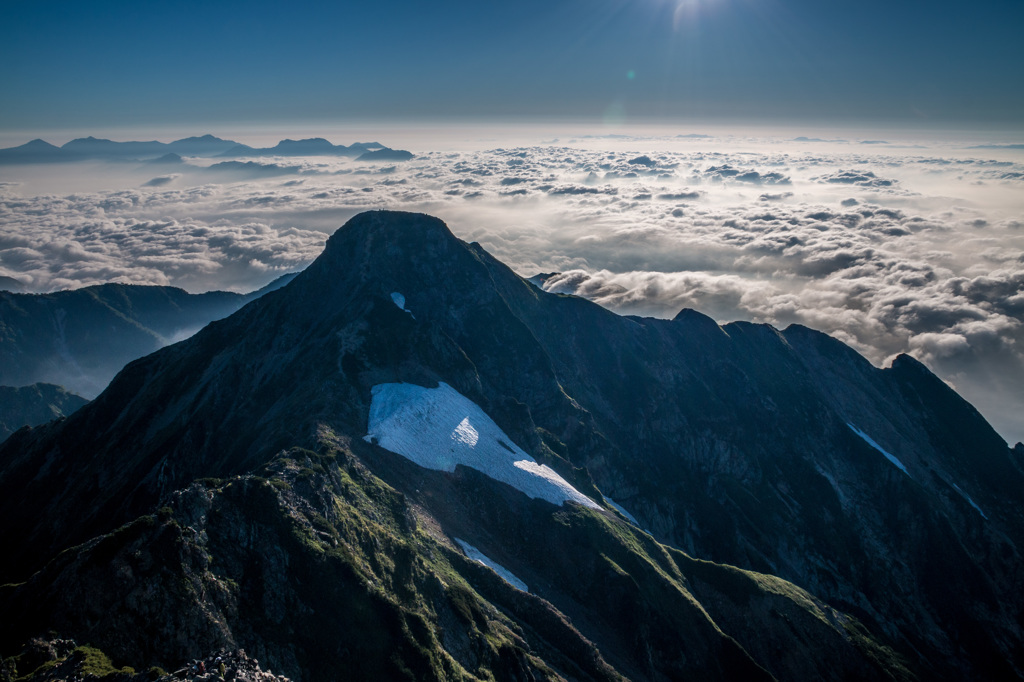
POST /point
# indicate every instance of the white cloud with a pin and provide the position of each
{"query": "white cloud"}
(889, 252)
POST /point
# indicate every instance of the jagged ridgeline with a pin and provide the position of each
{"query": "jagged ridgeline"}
(410, 463)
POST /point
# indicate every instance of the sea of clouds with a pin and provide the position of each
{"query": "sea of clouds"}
(890, 248)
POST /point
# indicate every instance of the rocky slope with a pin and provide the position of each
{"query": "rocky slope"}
(63, 659)
(838, 521)
(319, 568)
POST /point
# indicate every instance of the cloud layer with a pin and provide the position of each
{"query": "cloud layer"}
(890, 250)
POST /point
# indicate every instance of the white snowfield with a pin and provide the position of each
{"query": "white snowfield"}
(506, 575)
(439, 428)
(870, 441)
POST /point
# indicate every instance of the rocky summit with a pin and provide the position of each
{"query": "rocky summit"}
(411, 463)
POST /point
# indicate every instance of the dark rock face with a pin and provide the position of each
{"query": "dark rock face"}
(850, 522)
(34, 405)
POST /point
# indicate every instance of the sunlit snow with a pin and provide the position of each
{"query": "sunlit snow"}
(465, 433)
(439, 428)
(506, 575)
(870, 441)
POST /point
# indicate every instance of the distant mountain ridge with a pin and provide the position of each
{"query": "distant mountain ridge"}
(92, 148)
(34, 405)
(385, 155)
(10, 284)
(97, 148)
(81, 338)
(314, 146)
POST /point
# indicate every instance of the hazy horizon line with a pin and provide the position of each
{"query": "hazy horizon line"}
(262, 133)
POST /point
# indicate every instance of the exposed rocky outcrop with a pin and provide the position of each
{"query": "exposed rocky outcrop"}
(57, 660)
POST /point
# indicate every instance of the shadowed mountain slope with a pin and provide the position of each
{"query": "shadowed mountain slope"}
(781, 453)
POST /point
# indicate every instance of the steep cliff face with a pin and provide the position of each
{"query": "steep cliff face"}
(783, 454)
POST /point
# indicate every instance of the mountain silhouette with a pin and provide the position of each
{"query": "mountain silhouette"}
(92, 148)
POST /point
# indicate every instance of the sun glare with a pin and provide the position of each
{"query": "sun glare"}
(685, 12)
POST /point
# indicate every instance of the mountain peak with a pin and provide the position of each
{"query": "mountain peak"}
(694, 317)
(201, 138)
(380, 252)
(385, 238)
(393, 224)
(307, 144)
(38, 143)
(77, 142)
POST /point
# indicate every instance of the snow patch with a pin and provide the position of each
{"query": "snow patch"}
(971, 502)
(399, 300)
(870, 441)
(622, 511)
(478, 556)
(465, 433)
(439, 428)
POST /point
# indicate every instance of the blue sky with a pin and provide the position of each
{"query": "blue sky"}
(127, 63)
